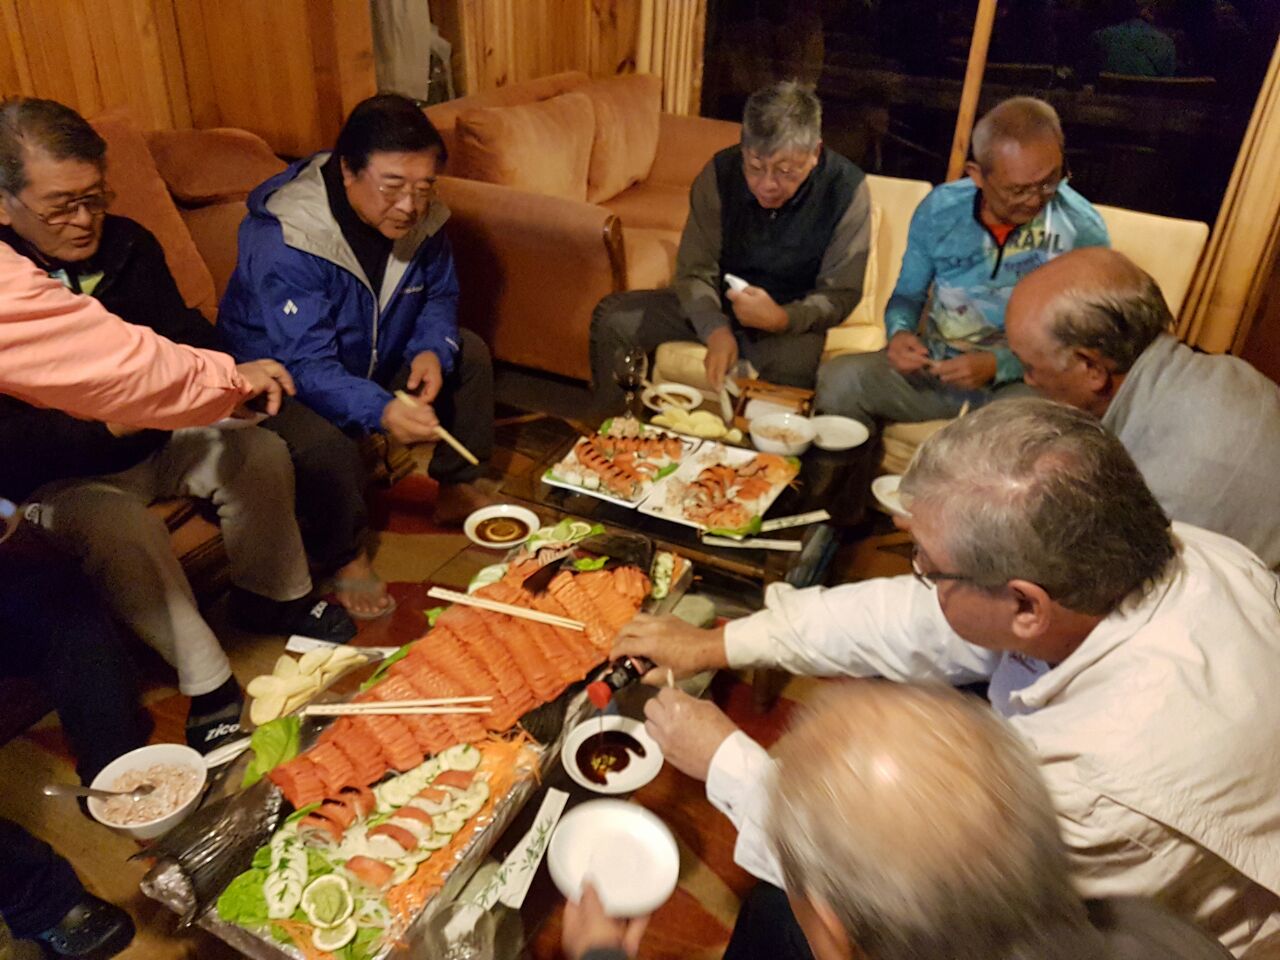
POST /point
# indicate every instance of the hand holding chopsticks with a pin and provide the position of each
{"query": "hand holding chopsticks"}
(441, 432)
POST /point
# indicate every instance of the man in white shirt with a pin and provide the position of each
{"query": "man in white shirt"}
(1138, 661)
(1092, 329)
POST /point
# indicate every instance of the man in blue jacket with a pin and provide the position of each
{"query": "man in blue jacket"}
(970, 241)
(345, 275)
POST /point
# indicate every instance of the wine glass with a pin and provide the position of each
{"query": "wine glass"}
(630, 368)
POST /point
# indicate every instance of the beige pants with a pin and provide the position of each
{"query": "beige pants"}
(125, 548)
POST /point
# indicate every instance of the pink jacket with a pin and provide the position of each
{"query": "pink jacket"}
(64, 351)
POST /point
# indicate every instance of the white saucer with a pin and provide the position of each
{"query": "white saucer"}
(838, 433)
(626, 852)
(638, 772)
(477, 517)
(885, 490)
(659, 396)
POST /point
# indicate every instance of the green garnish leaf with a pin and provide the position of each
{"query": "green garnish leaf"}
(385, 665)
(272, 744)
(589, 563)
(433, 615)
(243, 902)
(299, 814)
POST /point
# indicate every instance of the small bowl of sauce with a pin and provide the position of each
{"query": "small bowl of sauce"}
(501, 526)
(610, 754)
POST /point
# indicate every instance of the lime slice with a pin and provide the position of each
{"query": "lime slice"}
(578, 530)
(327, 902)
(334, 938)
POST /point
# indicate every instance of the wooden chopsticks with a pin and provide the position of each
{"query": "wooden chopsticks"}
(480, 603)
(444, 434)
(429, 707)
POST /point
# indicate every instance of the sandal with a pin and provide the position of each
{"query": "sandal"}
(366, 586)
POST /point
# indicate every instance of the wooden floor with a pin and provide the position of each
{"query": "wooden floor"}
(694, 923)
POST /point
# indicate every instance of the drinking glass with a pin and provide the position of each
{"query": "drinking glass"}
(459, 931)
(630, 368)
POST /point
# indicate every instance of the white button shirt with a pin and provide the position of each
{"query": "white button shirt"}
(1159, 737)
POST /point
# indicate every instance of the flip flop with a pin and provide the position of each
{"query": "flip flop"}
(367, 585)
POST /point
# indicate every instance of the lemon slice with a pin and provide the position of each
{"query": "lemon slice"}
(328, 903)
(579, 530)
(334, 938)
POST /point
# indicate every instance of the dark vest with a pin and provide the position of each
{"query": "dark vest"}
(781, 250)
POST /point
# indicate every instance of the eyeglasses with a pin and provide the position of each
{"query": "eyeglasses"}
(420, 194)
(756, 169)
(1045, 189)
(932, 578)
(95, 204)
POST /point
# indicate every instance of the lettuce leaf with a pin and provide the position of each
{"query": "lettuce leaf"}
(272, 744)
(243, 902)
(365, 945)
(590, 563)
(385, 665)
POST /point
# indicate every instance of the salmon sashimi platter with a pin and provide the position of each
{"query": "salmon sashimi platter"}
(722, 490)
(621, 462)
(388, 807)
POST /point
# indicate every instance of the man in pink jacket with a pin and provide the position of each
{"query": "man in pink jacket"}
(64, 351)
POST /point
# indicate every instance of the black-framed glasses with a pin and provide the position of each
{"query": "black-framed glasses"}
(95, 204)
(931, 578)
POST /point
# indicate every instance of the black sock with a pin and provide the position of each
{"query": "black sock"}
(204, 704)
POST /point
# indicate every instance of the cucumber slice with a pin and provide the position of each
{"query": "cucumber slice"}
(405, 870)
(283, 894)
(431, 806)
(335, 938)
(449, 822)
(293, 862)
(434, 842)
(461, 757)
(469, 804)
(327, 901)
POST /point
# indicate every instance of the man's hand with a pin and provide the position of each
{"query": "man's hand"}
(587, 927)
(907, 353)
(969, 371)
(409, 424)
(722, 354)
(688, 730)
(270, 378)
(755, 308)
(425, 372)
(671, 644)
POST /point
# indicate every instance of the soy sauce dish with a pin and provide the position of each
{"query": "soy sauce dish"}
(501, 526)
(610, 754)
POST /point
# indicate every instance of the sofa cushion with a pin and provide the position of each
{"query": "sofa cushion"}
(141, 195)
(651, 257)
(209, 166)
(626, 134)
(863, 330)
(652, 206)
(540, 147)
(445, 115)
(216, 231)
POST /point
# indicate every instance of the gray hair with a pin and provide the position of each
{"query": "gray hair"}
(920, 819)
(1118, 316)
(1020, 120)
(1035, 490)
(32, 123)
(782, 116)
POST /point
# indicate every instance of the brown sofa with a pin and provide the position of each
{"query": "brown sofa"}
(563, 190)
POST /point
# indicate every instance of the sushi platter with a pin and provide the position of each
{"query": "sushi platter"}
(382, 817)
(621, 462)
(722, 490)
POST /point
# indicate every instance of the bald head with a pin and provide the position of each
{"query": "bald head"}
(919, 822)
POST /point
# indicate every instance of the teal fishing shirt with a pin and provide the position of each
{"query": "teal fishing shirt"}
(971, 275)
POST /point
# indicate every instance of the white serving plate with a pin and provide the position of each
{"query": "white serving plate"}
(885, 490)
(839, 433)
(634, 776)
(628, 855)
(477, 517)
(709, 454)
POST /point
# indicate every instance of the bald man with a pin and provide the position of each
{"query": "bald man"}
(970, 242)
(1092, 330)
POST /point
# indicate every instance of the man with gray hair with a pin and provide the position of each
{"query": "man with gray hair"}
(1092, 329)
(786, 215)
(1138, 660)
(970, 241)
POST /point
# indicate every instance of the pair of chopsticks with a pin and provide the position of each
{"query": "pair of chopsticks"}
(438, 706)
(444, 434)
(493, 606)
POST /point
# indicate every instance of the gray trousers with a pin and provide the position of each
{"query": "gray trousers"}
(649, 318)
(865, 387)
(125, 548)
